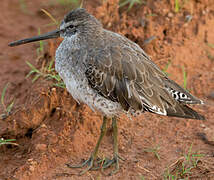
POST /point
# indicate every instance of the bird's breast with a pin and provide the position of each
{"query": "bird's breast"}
(70, 64)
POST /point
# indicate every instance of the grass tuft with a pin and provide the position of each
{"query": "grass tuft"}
(47, 72)
(210, 45)
(177, 6)
(130, 2)
(210, 56)
(151, 15)
(183, 168)
(184, 77)
(7, 142)
(166, 67)
(7, 108)
(40, 49)
(153, 150)
(142, 177)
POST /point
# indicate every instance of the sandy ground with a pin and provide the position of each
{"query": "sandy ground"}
(51, 129)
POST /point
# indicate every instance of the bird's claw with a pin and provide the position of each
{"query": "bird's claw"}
(88, 162)
(101, 164)
(109, 162)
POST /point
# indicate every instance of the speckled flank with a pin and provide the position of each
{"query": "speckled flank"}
(71, 69)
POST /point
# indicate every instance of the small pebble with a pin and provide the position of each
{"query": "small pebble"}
(148, 40)
(53, 89)
(41, 147)
(43, 126)
(188, 18)
(31, 159)
(202, 125)
(170, 15)
(143, 22)
(31, 168)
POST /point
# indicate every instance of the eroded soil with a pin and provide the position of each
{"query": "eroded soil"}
(52, 129)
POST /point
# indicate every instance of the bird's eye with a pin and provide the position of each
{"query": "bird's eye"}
(70, 26)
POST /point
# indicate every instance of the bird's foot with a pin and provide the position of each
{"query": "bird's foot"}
(89, 162)
(100, 164)
(109, 162)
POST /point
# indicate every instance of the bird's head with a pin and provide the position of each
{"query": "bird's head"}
(78, 21)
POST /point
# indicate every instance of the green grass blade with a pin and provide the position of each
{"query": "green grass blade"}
(166, 68)
(41, 43)
(123, 3)
(7, 141)
(185, 77)
(30, 65)
(30, 73)
(130, 2)
(36, 77)
(34, 69)
(210, 45)
(61, 85)
(50, 16)
(9, 108)
(177, 6)
(3, 94)
(50, 66)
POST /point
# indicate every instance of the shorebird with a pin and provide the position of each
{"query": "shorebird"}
(112, 75)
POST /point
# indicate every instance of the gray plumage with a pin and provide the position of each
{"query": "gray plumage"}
(112, 74)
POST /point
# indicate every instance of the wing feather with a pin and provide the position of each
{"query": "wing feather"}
(123, 73)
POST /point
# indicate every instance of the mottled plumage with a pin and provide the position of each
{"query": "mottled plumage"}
(112, 75)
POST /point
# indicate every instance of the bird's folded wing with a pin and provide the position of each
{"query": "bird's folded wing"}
(127, 75)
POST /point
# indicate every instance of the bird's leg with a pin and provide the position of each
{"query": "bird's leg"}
(116, 157)
(90, 161)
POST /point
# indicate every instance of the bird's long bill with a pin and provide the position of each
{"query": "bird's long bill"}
(49, 35)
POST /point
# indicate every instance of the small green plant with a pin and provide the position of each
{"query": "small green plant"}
(47, 72)
(154, 150)
(177, 6)
(193, 158)
(210, 56)
(151, 15)
(68, 2)
(184, 77)
(166, 68)
(7, 141)
(169, 176)
(130, 2)
(40, 49)
(210, 45)
(142, 177)
(190, 161)
(183, 166)
(7, 108)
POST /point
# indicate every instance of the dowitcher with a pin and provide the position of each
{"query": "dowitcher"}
(112, 75)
